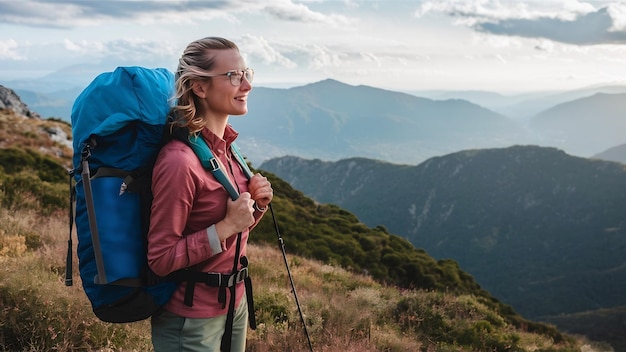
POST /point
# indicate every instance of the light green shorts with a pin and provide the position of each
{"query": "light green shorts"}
(171, 332)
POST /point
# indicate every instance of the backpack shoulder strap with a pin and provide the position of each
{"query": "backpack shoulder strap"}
(209, 162)
(241, 160)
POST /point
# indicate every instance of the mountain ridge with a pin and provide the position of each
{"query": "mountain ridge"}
(617, 154)
(9, 100)
(538, 228)
(331, 120)
(598, 120)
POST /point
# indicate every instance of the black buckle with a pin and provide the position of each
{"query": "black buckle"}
(214, 164)
(225, 280)
(237, 277)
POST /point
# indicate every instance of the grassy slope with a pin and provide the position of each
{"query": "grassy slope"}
(344, 311)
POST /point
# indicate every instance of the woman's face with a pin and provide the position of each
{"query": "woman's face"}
(221, 97)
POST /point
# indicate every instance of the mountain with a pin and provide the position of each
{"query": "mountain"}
(56, 104)
(333, 120)
(535, 104)
(9, 100)
(540, 229)
(617, 154)
(521, 106)
(513, 106)
(596, 123)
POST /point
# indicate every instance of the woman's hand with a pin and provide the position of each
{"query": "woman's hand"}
(260, 190)
(238, 216)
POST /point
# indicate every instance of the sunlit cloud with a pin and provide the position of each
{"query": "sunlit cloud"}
(288, 11)
(262, 50)
(9, 50)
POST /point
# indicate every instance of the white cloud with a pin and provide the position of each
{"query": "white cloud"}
(9, 50)
(83, 47)
(261, 49)
(288, 11)
(498, 42)
(122, 51)
(322, 57)
(617, 11)
(545, 45)
(477, 10)
(369, 57)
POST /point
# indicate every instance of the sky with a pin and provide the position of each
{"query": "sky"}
(504, 46)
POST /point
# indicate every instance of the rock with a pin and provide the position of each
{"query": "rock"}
(10, 100)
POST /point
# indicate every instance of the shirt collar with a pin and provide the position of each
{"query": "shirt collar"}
(217, 143)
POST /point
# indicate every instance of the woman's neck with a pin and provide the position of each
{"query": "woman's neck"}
(217, 125)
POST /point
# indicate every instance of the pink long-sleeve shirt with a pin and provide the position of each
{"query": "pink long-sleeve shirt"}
(187, 200)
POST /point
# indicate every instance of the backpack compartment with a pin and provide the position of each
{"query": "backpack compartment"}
(125, 295)
(118, 219)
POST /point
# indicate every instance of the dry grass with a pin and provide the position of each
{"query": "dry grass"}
(39, 312)
(343, 312)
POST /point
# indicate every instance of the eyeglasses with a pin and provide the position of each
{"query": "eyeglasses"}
(236, 76)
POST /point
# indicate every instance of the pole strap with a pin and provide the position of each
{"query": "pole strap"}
(101, 277)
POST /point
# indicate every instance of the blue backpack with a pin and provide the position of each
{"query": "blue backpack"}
(117, 125)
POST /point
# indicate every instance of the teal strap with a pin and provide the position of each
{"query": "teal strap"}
(209, 162)
(241, 160)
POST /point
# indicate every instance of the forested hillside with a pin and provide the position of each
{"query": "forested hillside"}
(539, 229)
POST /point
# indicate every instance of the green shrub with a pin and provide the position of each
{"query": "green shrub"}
(24, 190)
(482, 336)
(271, 308)
(32, 240)
(14, 160)
(452, 322)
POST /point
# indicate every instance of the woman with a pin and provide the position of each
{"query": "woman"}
(194, 224)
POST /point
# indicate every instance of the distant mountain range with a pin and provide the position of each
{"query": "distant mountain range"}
(617, 154)
(596, 123)
(540, 229)
(330, 120)
(522, 106)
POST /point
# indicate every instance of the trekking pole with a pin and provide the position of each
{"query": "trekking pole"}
(281, 243)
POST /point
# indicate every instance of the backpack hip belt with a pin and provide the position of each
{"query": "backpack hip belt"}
(212, 279)
(225, 280)
(222, 281)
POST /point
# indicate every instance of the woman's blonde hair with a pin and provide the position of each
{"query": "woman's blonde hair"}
(195, 63)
